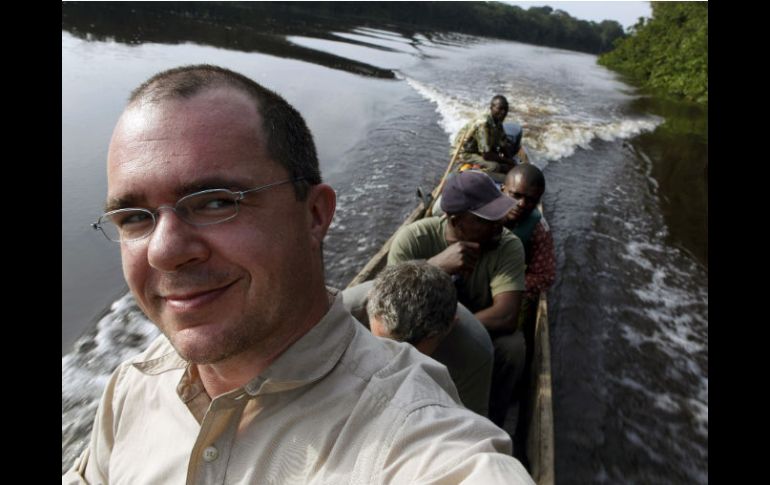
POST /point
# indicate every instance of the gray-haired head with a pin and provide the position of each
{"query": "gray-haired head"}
(413, 300)
(289, 141)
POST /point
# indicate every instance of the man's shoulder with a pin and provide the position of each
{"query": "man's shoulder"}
(542, 225)
(509, 242)
(426, 223)
(467, 345)
(410, 413)
(398, 373)
(474, 123)
(427, 228)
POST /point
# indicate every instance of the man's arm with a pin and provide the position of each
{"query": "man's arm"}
(404, 247)
(541, 271)
(502, 316)
(459, 258)
(437, 444)
(490, 151)
(499, 158)
(506, 287)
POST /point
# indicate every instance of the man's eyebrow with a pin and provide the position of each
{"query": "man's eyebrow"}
(115, 203)
(212, 183)
(135, 200)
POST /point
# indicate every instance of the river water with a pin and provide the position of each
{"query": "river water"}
(626, 200)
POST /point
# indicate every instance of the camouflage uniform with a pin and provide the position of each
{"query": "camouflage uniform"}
(484, 135)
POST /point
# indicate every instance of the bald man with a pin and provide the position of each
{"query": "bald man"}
(215, 197)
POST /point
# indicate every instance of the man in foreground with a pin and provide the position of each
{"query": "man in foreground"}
(261, 375)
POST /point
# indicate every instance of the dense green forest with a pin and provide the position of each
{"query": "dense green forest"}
(667, 53)
(536, 25)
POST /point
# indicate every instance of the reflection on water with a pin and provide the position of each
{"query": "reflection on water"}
(167, 23)
(678, 153)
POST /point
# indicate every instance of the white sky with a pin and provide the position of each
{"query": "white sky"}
(626, 13)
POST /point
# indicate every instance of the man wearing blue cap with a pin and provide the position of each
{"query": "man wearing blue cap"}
(486, 264)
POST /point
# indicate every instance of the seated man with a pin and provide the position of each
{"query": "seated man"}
(486, 263)
(484, 143)
(417, 303)
(526, 185)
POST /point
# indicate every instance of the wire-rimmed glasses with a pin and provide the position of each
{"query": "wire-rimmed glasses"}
(202, 208)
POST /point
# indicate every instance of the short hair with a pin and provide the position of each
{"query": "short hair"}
(413, 300)
(499, 97)
(532, 175)
(289, 141)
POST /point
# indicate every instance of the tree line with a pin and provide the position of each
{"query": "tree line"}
(667, 53)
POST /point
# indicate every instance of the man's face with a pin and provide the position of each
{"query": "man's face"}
(472, 228)
(499, 110)
(526, 196)
(215, 291)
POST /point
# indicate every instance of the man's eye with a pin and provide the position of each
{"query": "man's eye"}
(131, 218)
(216, 204)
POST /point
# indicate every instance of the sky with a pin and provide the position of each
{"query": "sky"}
(626, 13)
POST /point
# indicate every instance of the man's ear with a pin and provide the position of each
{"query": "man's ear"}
(321, 204)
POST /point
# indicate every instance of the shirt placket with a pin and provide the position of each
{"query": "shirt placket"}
(214, 446)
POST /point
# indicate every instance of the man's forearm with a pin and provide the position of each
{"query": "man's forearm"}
(502, 316)
(496, 323)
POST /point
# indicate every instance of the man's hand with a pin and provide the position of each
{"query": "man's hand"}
(499, 158)
(459, 258)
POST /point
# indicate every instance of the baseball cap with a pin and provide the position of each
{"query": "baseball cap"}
(475, 192)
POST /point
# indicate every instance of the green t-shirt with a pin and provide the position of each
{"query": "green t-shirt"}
(498, 270)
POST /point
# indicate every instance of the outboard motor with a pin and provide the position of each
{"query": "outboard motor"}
(514, 132)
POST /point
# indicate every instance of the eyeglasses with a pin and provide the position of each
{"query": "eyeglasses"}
(202, 208)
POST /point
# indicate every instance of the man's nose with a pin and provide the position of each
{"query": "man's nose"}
(174, 243)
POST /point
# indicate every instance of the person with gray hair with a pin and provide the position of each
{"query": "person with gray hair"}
(412, 302)
(260, 375)
(415, 302)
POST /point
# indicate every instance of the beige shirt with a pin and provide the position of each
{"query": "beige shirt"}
(339, 406)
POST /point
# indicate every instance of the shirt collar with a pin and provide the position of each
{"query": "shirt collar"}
(312, 356)
(307, 360)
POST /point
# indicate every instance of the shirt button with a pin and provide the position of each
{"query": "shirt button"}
(210, 454)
